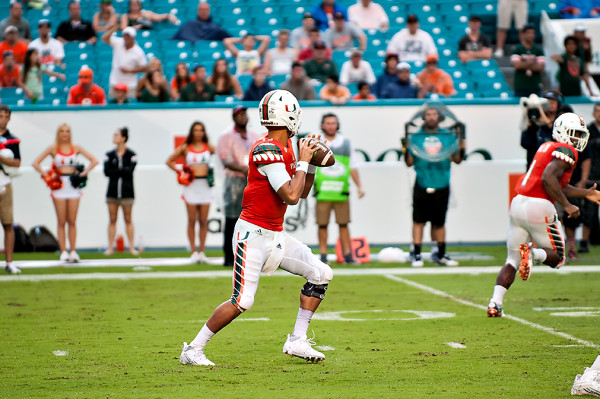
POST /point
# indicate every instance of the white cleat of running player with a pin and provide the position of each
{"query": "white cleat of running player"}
(193, 356)
(302, 347)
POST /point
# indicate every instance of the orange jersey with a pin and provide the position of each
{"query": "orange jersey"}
(531, 184)
(261, 205)
(94, 96)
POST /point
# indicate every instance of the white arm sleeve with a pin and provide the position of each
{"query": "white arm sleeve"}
(276, 174)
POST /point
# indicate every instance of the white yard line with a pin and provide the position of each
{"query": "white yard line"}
(443, 294)
(403, 271)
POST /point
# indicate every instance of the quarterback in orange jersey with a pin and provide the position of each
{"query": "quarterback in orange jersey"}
(275, 180)
(532, 213)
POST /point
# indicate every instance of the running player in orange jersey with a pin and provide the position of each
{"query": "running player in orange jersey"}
(532, 213)
(275, 180)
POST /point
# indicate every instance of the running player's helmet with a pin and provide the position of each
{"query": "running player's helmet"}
(570, 128)
(280, 108)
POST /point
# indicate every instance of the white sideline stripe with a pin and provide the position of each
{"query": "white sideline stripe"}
(403, 271)
(474, 305)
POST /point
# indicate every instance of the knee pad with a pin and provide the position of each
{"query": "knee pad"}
(314, 290)
(242, 302)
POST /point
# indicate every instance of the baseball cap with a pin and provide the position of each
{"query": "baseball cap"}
(44, 22)
(579, 28)
(527, 27)
(412, 18)
(432, 58)
(319, 44)
(121, 87)
(85, 75)
(338, 15)
(197, 66)
(130, 31)
(10, 28)
(307, 15)
(238, 109)
(403, 65)
(7, 53)
(475, 18)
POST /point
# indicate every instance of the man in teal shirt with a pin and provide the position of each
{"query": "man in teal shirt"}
(332, 188)
(432, 190)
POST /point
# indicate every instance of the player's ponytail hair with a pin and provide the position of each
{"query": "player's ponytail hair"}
(125, 133)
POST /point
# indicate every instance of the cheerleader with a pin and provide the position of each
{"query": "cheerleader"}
(66, 198)
(197, 193)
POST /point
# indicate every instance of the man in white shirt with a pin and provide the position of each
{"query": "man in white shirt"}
(51, 51)
(128, 59)
(412, 43)
(368, 15)
(357, 70)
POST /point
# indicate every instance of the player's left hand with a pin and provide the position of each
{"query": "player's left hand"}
(593, 194)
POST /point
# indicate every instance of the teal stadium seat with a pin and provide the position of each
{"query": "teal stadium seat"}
(486, 7)
(166, 3)
(52, 101)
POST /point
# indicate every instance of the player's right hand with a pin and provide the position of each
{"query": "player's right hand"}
(306, 148)
(572, 211)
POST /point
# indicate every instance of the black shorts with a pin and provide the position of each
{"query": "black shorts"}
(586, 210)
(430, 207)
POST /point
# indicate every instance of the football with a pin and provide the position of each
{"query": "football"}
(323, 156)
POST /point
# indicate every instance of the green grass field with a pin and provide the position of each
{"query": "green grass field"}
(122, 338)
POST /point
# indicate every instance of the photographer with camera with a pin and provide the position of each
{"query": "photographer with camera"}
(538, 118)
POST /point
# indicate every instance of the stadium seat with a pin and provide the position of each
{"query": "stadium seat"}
(277, 80)
(166, 3)
(51, 101)
(483, 7)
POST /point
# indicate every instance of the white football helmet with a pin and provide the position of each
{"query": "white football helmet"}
(570, 128)
(280, 108)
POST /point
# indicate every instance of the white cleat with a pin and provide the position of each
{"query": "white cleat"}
(587, 384)
(202, 258)
(11, 269)
(193, 356)
(195, 257)
(64, 256)
(302, 347)
(73, 257)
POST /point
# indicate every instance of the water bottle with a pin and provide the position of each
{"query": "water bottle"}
(140, 244)
(120, 243)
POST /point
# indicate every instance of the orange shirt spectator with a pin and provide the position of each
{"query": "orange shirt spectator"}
(435, 80)
(86, 92)
(334, 92)
(12, 43)
(9, 71)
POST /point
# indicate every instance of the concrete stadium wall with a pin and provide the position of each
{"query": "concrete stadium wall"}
(479, 195)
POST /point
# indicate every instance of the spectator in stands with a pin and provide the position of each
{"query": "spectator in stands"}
(474, 45)
(120, 91)
(403, 87)
(298, 85)
(182, 77)
(65, 157)
(579, 9)
(334, 92)
(319, 68)
(314, 36)
(30, 78)
(51, 50)
(201, 28)
(357, 70)
(139, 18)
(248, 58)
(278, 60)
(539, 129)
(507, 10)
(225, 83)
(412, 43)
(199, 89)
(323, 13)
(119, 165)
(6, 196)
(127, 61)
(258, 86)
(434, 79)
(86, 92)
(388, 76)
(529, 63)
(15, 18)
(159, 79)
(154, 91)
(299, 39)
(106, 17)
(584, 43)
(571, 69)
(341, 35)
(233, 148)
(368, 15)
(364, 92)
(76, 29)
(11, 42)
(9, 70)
